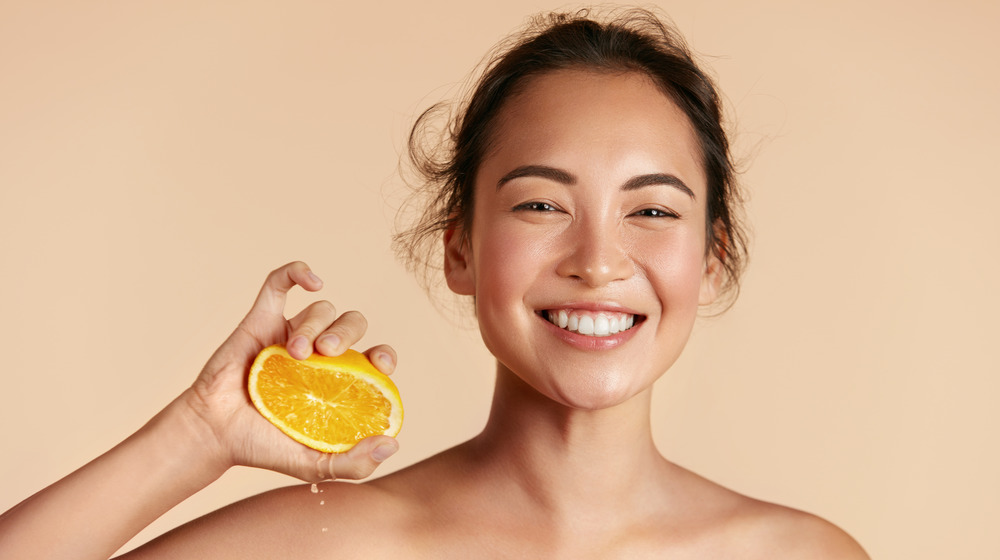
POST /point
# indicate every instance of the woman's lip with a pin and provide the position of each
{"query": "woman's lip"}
(591, 307)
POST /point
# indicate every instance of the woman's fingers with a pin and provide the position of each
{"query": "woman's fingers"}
(359, 462)
(270, 301)
(315, 326)
(307, 326)
(383, 357)
(342, 334)
(318, 326)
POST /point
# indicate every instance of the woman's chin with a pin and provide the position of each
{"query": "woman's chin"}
(581, 385)
(598, 392)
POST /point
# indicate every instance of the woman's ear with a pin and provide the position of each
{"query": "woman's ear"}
(458, 271)
(711, 280)
(712, 276)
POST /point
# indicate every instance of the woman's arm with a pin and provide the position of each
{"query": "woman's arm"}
(94, 511)
(212, 426)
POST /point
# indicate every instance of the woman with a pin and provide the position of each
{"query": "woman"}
(585, 201)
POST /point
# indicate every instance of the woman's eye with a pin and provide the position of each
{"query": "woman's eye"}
(656, 213)
(536, 207)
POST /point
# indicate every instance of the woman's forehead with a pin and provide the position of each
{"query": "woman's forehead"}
(591, 121)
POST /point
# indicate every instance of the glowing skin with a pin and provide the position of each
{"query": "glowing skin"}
(587, 261)
(592, 206)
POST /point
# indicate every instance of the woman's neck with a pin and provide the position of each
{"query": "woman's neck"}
(567, 460)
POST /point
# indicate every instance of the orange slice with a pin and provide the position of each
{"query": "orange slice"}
(327, 403)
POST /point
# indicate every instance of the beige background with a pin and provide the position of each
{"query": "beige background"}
(158, 159)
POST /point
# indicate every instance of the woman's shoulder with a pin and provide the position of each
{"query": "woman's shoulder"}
(412, 513)
(294, 521)
(760, 529)
(784, 532)
(381, 517)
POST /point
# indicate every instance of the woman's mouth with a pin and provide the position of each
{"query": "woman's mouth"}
(591, 323)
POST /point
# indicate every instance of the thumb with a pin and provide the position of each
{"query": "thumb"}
(357, 463)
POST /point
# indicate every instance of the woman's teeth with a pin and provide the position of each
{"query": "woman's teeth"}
(591, 324)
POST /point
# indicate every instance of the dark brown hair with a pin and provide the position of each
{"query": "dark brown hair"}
(446, 159)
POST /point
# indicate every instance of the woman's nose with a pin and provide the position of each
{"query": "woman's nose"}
(596, 256)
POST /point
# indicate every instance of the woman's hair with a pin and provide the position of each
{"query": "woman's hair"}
(446, 159)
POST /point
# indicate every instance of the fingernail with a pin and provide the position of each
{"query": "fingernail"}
(330, 342)
(300, 346)
(385, 359)
(384, 451)
(312, 276)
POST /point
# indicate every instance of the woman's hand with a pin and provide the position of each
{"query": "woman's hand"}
(209, 428)
(238, 433)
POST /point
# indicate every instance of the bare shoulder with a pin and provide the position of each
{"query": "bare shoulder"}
(781, 532)
(379, 518)
(733, 525)
(297, 521)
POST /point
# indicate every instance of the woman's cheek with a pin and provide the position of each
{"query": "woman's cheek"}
(677, 264)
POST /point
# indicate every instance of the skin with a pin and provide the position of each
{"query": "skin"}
(593, 200)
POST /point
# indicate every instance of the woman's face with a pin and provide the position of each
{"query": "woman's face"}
(587, 252)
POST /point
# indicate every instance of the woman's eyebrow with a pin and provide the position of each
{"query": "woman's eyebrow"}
(543, 171)
(567, 178)
(640, 181)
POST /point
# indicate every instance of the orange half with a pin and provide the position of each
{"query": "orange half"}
(327, 403)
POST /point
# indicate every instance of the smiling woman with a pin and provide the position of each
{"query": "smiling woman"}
(608, 241)
(586, 203)
(633, 41)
